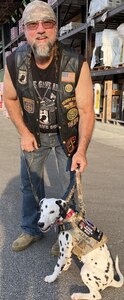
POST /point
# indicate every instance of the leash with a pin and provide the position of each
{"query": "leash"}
(77, 187)
(29, 175)
(80, 197)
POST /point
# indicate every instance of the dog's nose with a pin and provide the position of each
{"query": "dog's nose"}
(41, 225)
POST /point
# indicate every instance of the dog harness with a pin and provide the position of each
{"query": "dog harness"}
(86, 236)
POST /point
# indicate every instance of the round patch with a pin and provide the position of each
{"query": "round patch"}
(68, 88)
(72, 114)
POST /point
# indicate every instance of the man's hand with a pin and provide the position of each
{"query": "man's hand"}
(79, 161)
(28, 142)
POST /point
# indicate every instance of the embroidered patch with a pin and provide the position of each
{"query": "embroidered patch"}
(68, 100)
(22, 77)
(71, 143)
(69, 103)
(29, 105)
(73, 122)
(68, 77)
(72, 114)
(68, 88)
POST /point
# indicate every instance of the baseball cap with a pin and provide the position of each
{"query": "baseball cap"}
(37, 11)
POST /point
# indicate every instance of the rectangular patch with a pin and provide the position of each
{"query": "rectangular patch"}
(68, 77)
(29, 105)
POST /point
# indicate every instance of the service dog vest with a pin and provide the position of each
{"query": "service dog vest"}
(86, 237)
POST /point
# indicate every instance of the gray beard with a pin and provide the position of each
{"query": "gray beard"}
(42, 52)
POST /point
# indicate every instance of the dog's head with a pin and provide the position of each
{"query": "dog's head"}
(51, 210)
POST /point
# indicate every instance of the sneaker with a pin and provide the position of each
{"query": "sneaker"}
(23, 241)
(55, 249)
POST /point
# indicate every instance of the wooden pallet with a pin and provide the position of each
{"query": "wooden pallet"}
(121, 65)
(101, 68)
(99, 13)
(97, 68)
(98, 117)
(116, 122)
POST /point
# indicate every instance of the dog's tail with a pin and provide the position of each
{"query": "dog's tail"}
(119, 281)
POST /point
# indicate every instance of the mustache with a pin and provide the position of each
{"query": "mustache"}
(39, 34)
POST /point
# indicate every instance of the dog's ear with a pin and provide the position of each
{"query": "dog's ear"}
(41, 201)
(61, 202)
(62, 206)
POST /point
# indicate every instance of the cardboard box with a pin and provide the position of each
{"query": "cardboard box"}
(14, 32)
(97, 97)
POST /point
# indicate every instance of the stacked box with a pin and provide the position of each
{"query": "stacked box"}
(120, 30)
(14, 48)
(20, 24)
(98, 89)
(7, 53)
(108, 49)
(98, 6)
(21, 43)
(14, 32)
(1, 94)
(119, 2)
(68, 27)
(122, 104)
(51, 2)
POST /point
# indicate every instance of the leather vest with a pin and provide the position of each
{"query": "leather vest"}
(67, 112)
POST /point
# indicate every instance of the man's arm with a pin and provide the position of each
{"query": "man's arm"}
(12, 104)
(85, 104)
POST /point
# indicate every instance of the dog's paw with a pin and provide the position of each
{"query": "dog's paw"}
(75, 296)
(49, 279)
(66, 267)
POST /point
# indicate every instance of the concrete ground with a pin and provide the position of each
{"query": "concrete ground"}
(22, 274)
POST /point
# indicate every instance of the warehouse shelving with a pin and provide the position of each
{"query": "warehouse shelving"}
(81, 37)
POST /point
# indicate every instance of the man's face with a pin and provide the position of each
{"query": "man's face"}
(41, 35)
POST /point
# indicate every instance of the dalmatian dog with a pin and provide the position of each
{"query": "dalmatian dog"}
(99, 270)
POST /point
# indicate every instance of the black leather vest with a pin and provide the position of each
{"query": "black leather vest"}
(67, 112)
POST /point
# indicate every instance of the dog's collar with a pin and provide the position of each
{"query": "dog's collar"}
(69, 214)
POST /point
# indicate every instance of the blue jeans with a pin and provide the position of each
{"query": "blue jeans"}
(32, 181)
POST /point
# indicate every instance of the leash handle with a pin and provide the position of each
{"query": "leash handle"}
(80, 197)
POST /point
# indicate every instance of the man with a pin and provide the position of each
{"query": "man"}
(49, 97)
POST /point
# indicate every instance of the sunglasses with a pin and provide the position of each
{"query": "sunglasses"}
(46, 24)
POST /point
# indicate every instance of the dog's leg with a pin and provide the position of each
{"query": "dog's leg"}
(88, 280)
(64, 259)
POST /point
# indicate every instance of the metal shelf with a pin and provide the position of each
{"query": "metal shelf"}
(104, 72)
(79, 32)
(109, 14)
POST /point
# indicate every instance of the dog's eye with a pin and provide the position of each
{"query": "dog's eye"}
(52, 212)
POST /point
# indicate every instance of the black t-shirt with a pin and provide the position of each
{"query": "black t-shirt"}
(45, 82)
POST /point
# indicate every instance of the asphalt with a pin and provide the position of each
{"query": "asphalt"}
(22, 274)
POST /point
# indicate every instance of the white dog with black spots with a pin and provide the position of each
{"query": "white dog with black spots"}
(98, 271)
